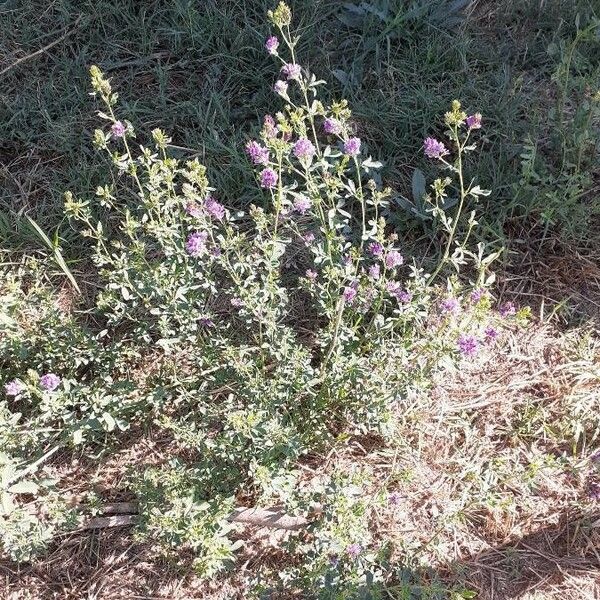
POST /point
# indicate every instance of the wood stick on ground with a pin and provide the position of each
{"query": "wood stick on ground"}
(124, 514)
(65, 35)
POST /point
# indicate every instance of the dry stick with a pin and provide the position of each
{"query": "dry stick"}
(65, 35)
(262, 517)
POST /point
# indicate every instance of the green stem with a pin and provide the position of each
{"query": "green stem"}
(463, 195)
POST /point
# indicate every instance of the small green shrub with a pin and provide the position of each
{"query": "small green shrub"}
(247, 339)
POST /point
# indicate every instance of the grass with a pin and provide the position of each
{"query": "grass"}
(197, 70)
(200, 73)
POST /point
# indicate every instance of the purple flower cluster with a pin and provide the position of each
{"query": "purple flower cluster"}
(14, 388)
(258, 154)
(49, 381)
(195, 244)
(474, 121)
(118, 129)
(269, 127)
(396, 290)
(491, 333)
(393, 259)
(375, 248)
(280, 87)
(332, 126)
(292, 71)
(268, 178)
(468, 345)
(304, 149)
(352, 146)
(394, 498)
(308, 237)
(272, 44)
(301, 204)
(434, 149)
(354, 551)
(507, 309)
(215, 209)
(477, 295)
(450, 305)
(594, 491)
(311, 275)
(193, 209)
(374, 271)
(349, 294)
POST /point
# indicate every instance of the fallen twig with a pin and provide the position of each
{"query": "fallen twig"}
(65, 35)
(124, 514)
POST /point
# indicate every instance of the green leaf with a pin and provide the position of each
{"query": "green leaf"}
(110, 421)
(55, 249)
(24, 487)
(418, 186)
(78, 436)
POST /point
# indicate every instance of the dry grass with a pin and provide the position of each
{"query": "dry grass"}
(552, 274)
(491, 494)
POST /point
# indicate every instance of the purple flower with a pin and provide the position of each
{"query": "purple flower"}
(258, 154)
(352, 146)
(354, 550)
(311, 275)
(594, 492)
(375, 248)
(302, 204)
(280, 87)
(272, 44)
(491, 333)
(450, 305)
(393, 259)
(468, 345)
(268, 178)
(269, 127)
(237, 302)
(215, 209)
(507, 309)
(394, 498)
(374, 271)
(404, 296)
(118, 129)
(49, 381)
(434, 149)
(347, 260)
(349, 294)
(474, 121)
(292, 71)
(205, 322)
(195, 244)
(395, 290)
(477, 295)
(14, 388)
(308, 237)
(193, 209)
(332, 126)
(304, 149)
